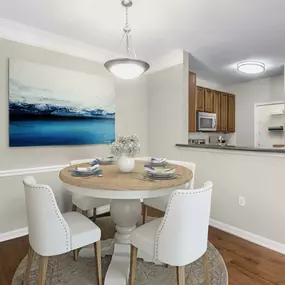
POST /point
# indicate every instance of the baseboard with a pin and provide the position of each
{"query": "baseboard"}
(13, 234)
(267, 243)
(262, 241)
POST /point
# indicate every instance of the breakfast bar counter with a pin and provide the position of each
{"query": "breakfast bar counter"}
(233, 148)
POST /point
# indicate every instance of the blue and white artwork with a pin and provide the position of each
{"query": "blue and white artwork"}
(53, 106)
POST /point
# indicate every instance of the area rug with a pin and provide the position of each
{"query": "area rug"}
(62, 270)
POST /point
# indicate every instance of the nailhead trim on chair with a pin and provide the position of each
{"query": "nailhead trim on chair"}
(193, 192)
(68, 247)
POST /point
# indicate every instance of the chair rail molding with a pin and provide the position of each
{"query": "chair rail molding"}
(16, 233)
(25, 171)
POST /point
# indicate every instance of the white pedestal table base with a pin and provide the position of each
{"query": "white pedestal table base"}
(126, 214)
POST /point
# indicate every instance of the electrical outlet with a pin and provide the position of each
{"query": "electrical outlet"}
(241, 201)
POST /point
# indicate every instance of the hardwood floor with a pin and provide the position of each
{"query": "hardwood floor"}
(11, 254)
(247, 263)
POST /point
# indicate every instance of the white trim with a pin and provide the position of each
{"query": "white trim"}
(13, 234)
(268, 103)
(25, 171)
(255, 123)
(262, 241)
(255, 127)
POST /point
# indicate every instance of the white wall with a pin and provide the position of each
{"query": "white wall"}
(131, 117)
(247, 94)
(168, 111)
(258, 178)
(132, 109)
(264, 119)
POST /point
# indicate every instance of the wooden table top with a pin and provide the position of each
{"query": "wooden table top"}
(114, 180)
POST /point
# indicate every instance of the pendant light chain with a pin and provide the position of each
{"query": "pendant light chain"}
(127, 30)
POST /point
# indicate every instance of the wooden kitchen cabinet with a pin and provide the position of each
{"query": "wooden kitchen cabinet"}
(217, 108)
(192, 103)
(224, 112)
(208, 98)
(231, 113)
(200, 99)
(212, 101)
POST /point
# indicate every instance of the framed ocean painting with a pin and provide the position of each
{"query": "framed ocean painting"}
(50, 106)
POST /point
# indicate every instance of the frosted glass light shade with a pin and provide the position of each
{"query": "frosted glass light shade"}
(126, 68)
(251, 67)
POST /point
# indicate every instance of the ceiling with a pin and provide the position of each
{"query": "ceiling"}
(218, 34)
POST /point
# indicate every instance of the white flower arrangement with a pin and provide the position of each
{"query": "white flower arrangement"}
(128, 145)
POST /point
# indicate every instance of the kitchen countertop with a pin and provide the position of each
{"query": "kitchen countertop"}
(240, 148)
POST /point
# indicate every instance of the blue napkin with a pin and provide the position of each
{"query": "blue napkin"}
(103, 160)
(88, 171)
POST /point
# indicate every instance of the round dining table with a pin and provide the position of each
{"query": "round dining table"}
(125, 190)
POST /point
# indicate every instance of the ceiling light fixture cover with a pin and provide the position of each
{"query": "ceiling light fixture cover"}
(251, 67)
(128, 67)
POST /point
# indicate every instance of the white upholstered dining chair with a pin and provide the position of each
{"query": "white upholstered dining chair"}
(181, 236)
(52, 233)
(160, 203)
(84, 203)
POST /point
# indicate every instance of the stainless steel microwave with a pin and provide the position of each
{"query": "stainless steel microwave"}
(206, 122)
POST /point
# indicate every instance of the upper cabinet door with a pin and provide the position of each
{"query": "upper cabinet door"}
(209, 101)
(217, 108)
(200, 99)
(224, 112)
(231, 113)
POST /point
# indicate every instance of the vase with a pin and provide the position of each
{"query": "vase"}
(125, 163)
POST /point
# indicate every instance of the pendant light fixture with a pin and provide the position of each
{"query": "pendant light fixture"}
(129, 67)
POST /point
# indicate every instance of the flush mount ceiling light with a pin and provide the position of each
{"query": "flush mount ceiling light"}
(129, 67)
(251, 67)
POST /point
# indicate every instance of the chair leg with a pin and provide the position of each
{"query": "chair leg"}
(97, 249)
(134, 253)
(84, 213)
(180, 275)
(43, 269)
(94, 215)
(144, 210)
(75, 254)
(74, 208)
(206, 270)
(29, 264)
